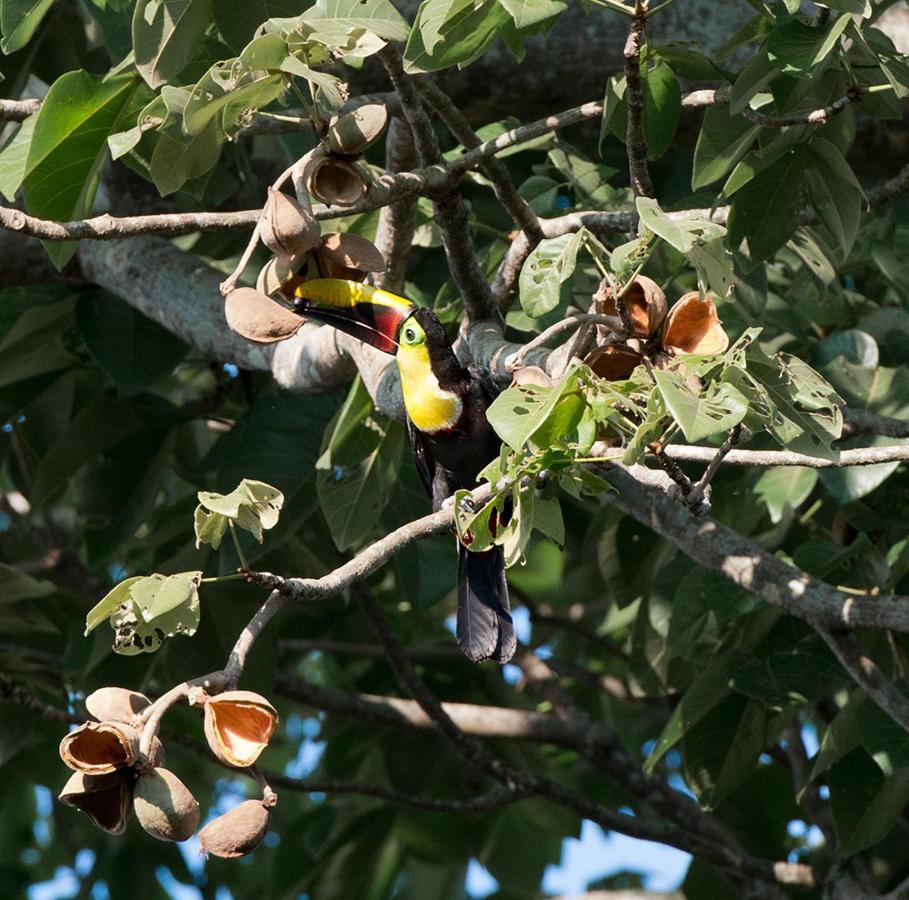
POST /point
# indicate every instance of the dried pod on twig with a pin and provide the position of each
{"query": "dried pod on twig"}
(164, 806)
(98, 748)
(343, 253)
(238, 726)
(258, 318)
(350, 134)
(644, 300)
(107, 799)
(693, 326)
(531, 375)
(333, 181)
(286, 226)
(613, 363)
(115, 704)
(237, 832)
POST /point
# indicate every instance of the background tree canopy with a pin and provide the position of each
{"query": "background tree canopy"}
(692, 286)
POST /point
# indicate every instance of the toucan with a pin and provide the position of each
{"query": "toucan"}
(451, 437)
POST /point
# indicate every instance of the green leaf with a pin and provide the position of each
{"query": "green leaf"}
(69, 146)
(854, 345)
(210, 527)
(865, 805)
(662, 106)
(835, 194)
(802, 47)
(22, 586)
(132, 349)
(783, 489)
(854, 482)
(530, 12)
(176, 160)
(452, 32)
(166, 34)
(252, 505)
(334, 20)
(722, 142)
(109, 603)
(766, 211)
(549, 265)
(237, 22)
(157, 595)
(714, 266)
(14, 157)
(885, 740)
(19, 19)
(682, 234)
(722, 407)
(759, 72)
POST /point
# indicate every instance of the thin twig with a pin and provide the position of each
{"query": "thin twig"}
(18, 110)
(516, 360)
(860, 456)
(698, 491)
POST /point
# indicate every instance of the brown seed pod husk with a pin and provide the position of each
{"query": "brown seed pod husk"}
(238, 726)
(115, 704)
(164, 806)
(693, 326)
(644, 300)
(613, 363)
(333, 181)
(98, 748)
(352, 133)
(343, 251)
(237, 832)
(531, 375)
(258, 318)
(156, 753)
(286, 226)
(107, 799)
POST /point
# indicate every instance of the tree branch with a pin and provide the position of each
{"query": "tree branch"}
(18, 110)
(635, 140)
(861, 456)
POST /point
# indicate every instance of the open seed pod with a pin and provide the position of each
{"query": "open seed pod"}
(333, 181)
(613, 363)
(164, 806)
(237, 832)
(258, 318)
(645, 301)
(107, 799)
(349, 256)
(98, 748)
(286, 227)
(115, 704)
(531, 375)
(351, 133)
(238, 726)
(693, 326)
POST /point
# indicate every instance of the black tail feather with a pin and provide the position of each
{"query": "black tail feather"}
(485, 629)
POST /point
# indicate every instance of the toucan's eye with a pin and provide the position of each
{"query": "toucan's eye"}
(410, 335)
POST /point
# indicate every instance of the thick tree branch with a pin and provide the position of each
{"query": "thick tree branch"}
(18, 110)
(635, 140)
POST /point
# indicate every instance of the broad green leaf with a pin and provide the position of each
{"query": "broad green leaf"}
(14, 159)
(835, 195)
(865, 804)
(759, 72)
(714, 266)
(166, 34)
(801, 47)
(784, 488)
(69, 146)
(682, 234)
(209, 527)
(176, 160)
(719, 409)
(854, 345)
(157, 595)
(333, 20)
(854, 482)
(252, 505)
(132, 349)
(237, 22)
(19, 19)
(662, 105)
(885, 740)
(452, 32)
(722, 142)
(109, 603)
(550, 264)
(530, 12)
(766, 211)
(688, 63)
(22, 586)
(353, 495)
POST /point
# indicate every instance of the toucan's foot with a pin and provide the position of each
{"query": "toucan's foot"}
(467, 505)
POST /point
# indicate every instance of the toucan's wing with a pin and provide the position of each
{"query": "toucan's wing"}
(422, 455)
(483, 383)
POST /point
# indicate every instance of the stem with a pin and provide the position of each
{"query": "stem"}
(615, 6)
(233, 533)
(219, 579)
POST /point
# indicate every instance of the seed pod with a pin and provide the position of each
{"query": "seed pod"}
(164, 806)
(613, 363)
(98, 748)
(342, 253)
(237, 832)
(238, 726)
(351, 133)
(156, 753)
(531, 375)
(107, 799)
(258, 318)
(645, 301)
(286, 227)
(333, 181)
(115, 704)
(693, 326)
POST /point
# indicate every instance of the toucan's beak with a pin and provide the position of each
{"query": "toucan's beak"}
(368, 313)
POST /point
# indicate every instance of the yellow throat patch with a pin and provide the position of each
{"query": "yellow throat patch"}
(430, 407)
